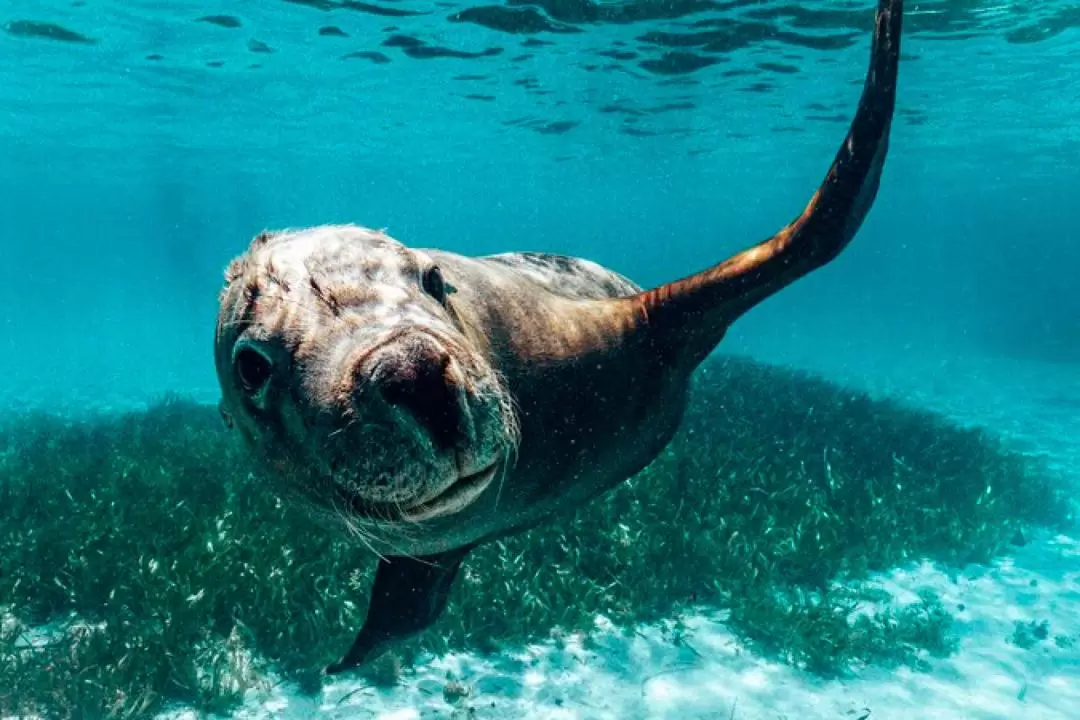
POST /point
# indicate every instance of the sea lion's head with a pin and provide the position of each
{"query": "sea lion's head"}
(343, 363)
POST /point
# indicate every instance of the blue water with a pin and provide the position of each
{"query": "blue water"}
(142, 145)
(127, 183)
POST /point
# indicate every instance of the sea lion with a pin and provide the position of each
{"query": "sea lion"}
(429, 402)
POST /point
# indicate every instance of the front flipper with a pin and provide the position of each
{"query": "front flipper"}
(408, 596)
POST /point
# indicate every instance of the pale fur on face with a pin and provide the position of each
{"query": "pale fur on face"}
(317, 303)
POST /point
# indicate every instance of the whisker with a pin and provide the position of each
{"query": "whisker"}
(358, 532)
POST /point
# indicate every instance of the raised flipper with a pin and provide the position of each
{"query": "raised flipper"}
(409, 594)
(694, 313)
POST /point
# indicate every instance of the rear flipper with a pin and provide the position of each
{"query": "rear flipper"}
(408, 596)
(694, 313)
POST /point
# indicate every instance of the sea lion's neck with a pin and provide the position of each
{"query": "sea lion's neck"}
(595, 400)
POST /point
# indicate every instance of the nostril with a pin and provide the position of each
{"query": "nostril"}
(252, 369)
(419, 385)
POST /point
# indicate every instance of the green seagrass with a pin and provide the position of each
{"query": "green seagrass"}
(168, 573)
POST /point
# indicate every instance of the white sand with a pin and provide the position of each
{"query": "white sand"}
(710, 675)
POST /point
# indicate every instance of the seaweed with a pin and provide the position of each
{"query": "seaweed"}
(143, 562)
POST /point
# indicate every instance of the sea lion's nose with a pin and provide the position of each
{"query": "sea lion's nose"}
(416, 376)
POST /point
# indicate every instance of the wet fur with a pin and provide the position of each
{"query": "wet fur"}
(570, 365)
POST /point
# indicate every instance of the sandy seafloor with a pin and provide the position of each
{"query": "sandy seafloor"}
(647, 675)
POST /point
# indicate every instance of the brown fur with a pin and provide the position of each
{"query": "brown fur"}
(563, 376)
(519, 321)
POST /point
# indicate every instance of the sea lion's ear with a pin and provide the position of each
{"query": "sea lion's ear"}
(694, 313)
(409, 594)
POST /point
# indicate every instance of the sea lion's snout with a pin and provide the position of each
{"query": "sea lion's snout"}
(415, 382)
(422, 384)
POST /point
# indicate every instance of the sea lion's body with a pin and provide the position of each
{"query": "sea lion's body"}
(430, 402)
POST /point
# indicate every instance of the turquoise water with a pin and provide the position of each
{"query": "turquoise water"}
(142, 146)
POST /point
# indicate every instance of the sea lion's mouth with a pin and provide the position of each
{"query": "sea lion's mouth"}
(452, 498)
(459, 495)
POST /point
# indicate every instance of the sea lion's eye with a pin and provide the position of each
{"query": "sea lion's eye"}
(252, 369)
(433, 283)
